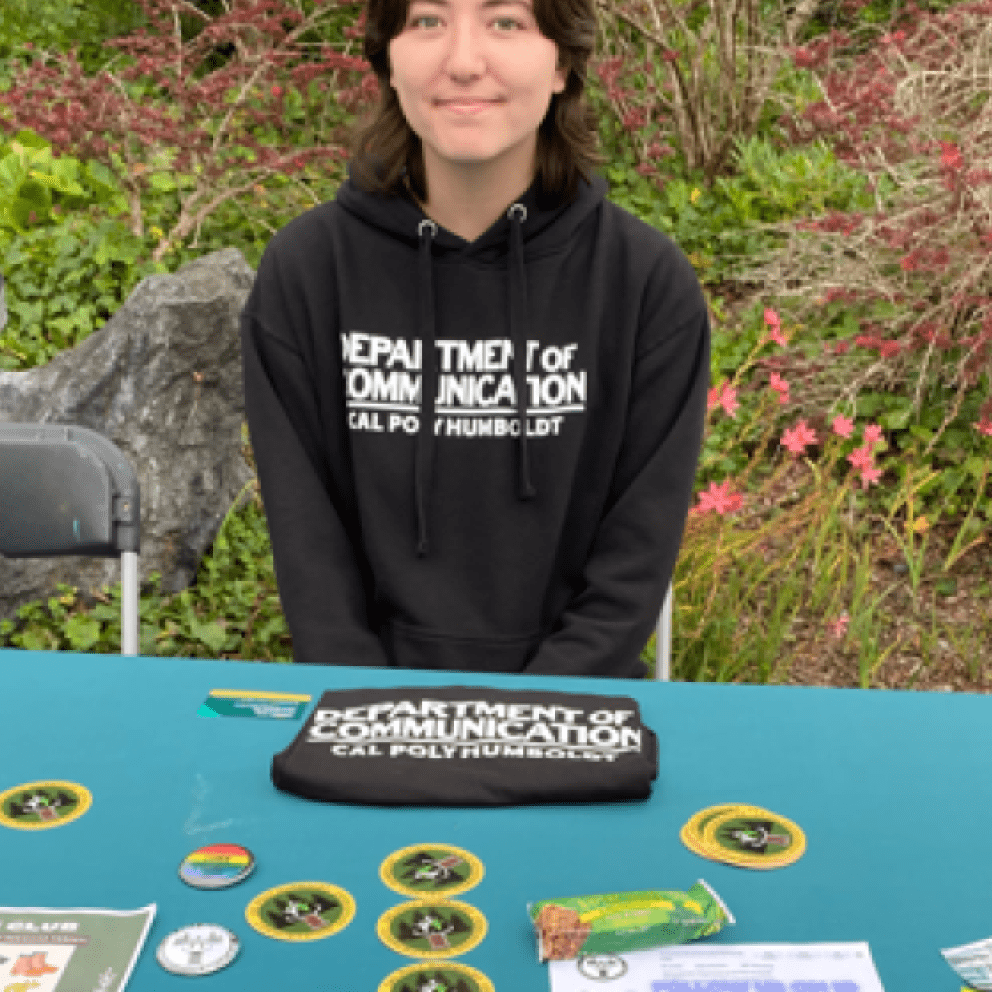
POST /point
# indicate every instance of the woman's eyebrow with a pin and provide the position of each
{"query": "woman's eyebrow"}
(485, 4)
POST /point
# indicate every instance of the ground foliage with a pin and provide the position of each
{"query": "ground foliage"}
(841, 233)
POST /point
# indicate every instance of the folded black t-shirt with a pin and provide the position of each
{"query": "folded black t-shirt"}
(469, 746)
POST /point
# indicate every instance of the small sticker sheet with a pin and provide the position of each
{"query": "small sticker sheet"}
(301, 911)
(973, 962)
(431, 869)
(43, 805)
(52, 950)
(254, 705)
(449, 976)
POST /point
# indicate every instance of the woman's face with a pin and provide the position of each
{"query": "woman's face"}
(488, 50)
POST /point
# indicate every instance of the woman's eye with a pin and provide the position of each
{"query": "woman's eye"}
(501, 20)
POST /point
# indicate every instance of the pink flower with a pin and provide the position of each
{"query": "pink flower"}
(842, 426)
(870, 475)
(864, 462)
(719, 498)
(780, 386)
(950, 155)
(985, 426)
(838, 626)
(798, 437)
(873, 434)
(723, 395)
(774, 323)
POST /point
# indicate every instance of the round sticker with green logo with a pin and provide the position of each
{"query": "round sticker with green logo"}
(41, 805)
(301, 911)
(431, 928)
(754, 838)
(691, 833)
(437, 978)
(429, 869)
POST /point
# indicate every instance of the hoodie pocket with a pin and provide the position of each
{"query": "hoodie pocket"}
(414, 647)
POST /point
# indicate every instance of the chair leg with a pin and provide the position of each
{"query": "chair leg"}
(129, 602)
(663, 648)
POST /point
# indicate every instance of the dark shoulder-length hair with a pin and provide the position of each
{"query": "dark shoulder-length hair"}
(383, 147)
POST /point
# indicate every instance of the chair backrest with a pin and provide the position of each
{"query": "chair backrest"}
(663, 641)
(67, 490)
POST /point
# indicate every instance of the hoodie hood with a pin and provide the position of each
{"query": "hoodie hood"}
(534, 224)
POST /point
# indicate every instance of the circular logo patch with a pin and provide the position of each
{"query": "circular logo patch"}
(198, 950)
(301, 911)
(428, 869)
(431, 928)
(754, 838)
(437, 978)
(601, 967)
(691, 833)
(40, 805)
(216, 866)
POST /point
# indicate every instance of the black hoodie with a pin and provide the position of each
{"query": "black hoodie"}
(421, 528)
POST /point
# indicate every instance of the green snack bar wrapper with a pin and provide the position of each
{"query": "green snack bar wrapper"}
(625, 921)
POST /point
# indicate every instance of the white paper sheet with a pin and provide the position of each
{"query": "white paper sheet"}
(973, 962)
(723, 968)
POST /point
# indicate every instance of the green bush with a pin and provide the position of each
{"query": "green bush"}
(58, 25)
(67, 262)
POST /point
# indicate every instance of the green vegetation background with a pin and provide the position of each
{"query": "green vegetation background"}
(70, 260)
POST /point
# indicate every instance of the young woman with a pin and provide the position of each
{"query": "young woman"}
(475, 387)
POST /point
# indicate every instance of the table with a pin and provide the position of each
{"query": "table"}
(892, 789)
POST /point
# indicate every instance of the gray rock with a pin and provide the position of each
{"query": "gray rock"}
(162, 380)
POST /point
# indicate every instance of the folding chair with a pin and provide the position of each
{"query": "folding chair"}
(67, 490)
(663, 644)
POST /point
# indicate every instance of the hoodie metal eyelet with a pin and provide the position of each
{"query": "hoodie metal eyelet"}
(429, 223)
(521, 208)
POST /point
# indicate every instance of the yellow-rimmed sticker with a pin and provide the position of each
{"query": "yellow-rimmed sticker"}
(432, 928)
(43, 805)
(301, 911)
(691, 833)
(431, 869)
(752, 837)
(450, 975)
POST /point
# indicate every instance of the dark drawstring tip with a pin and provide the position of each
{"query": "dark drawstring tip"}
(422, 547)
(527, 491)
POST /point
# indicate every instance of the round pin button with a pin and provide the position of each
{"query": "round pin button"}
(198, 950)
(217, 866)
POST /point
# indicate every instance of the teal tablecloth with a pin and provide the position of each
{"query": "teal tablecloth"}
(892, 790)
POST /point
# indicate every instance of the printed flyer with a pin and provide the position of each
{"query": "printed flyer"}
(70, 950)
(844, 967)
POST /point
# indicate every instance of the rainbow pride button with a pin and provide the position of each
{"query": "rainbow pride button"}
(217, 866)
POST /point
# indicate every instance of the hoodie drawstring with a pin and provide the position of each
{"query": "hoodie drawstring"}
(423, 473)
(518, 336)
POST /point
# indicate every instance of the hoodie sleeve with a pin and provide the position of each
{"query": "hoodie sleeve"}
(318, 571)
(610, 619)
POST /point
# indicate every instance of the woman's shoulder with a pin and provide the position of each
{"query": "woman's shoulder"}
(307, 235)
(659, 258)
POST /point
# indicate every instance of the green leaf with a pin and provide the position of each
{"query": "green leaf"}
(82, 632)
(163, 182)
(212, 634)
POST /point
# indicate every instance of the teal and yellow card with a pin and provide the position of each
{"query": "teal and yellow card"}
(264, 705)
